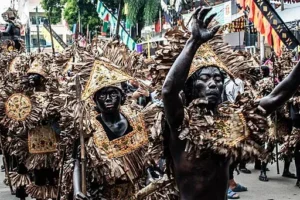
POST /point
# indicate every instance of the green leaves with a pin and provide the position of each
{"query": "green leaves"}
(54, 9)
(88, 13)
(145, 11)
(151, 11)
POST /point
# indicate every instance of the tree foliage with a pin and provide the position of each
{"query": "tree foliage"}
(69, 10)
(142, 10)
(88, 13)
(151, 11)
(53, 9)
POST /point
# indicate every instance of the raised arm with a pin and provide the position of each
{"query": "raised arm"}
(282, 92)
(178, 74)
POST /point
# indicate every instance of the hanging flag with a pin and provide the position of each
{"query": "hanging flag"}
(124, 36)
(269, 24)
(106, 18)
(157, 27)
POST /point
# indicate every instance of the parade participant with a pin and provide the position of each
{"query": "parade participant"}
(207, 134)
(12, 30)
(118, 143)
(297, 162)
(137, 92)
(290, 146)
(264, 87)
(31, 103)
(290, 136)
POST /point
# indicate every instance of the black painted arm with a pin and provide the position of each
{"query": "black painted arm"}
(174, 83)
(282, 92)
(178, 74)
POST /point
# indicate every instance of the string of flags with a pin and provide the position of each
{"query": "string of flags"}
(268, 23)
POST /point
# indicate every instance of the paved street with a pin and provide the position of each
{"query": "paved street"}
(278, 188)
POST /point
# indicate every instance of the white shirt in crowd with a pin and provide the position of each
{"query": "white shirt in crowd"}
(232, 89)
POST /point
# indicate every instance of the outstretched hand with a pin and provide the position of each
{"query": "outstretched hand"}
(200, 31)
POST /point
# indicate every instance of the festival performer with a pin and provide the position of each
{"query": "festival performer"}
(117, 141)
(204, 133)
(31, 106)
(12, 33)
(291, 138)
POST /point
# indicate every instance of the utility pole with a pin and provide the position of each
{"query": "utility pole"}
(37, 29)
(119, 18)
(282, 5)
(262, 48)
(27, 36)
(50, 28)
(79, 17)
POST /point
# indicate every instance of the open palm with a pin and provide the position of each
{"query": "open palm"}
(200, 30)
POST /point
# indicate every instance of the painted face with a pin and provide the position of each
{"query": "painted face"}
(35, 79)
(108, 99)
(207, 83)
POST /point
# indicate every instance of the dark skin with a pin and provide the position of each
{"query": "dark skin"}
(205, 178)
(108, 102)
(37, 81)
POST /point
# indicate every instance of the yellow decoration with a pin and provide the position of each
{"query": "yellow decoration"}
(12, 66)
(205, 57)
(126, 9)
(18, 107)
(103, 75)
(42, 140)
(123, 145)
(37, 68)
(47, 36)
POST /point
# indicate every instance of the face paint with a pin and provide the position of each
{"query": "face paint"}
(108, 99)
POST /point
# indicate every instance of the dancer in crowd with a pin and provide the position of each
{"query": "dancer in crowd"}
(12, 32)
(200, 146)
(117, 141)
(30, 109)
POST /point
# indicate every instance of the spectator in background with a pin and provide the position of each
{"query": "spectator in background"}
(137, 92)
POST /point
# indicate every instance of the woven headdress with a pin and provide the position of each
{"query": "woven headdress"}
(37, 68)
(206, 57)
(103, 75)
(9, 13)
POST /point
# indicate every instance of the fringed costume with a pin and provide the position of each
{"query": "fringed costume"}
(31, 108)
(116, 169)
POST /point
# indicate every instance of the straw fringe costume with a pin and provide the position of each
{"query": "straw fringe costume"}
(10, 38)
(32, 119)
(116, 169)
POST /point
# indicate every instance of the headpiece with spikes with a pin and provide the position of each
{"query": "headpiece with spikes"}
(37, 68)
(206, 57)
(103, 74)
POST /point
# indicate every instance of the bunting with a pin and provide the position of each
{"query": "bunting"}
(106, 15)
(268, 23)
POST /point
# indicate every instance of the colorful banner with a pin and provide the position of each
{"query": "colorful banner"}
(268, 23)
(124, 36)
(47, 37)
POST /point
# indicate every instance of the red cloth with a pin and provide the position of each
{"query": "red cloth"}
(157, 27)
(106, 18)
